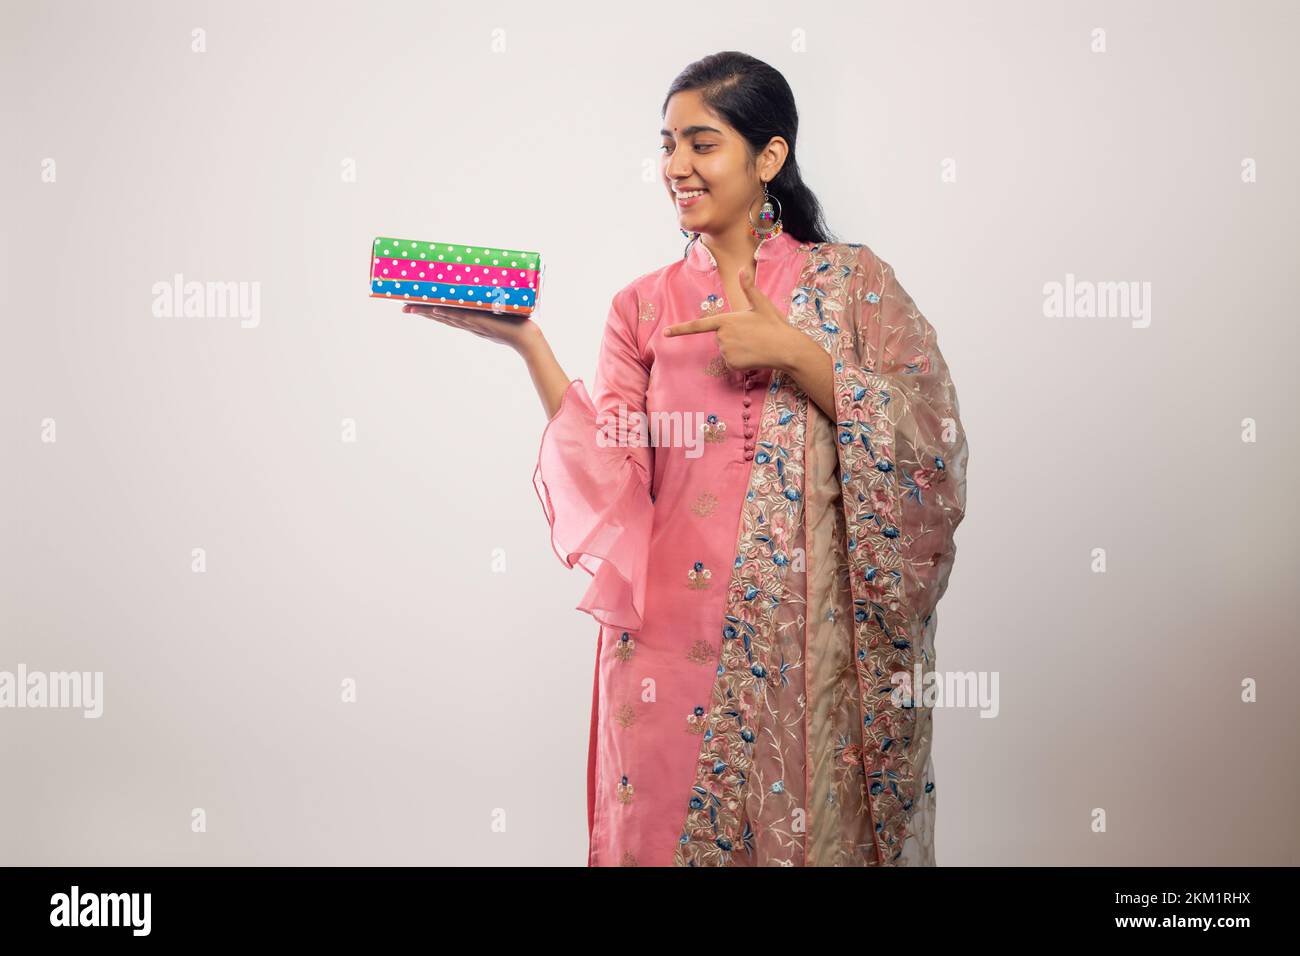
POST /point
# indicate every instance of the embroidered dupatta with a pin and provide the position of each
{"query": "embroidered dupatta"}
(845, 546)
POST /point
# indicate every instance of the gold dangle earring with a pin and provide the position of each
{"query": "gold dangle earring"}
(770, 219)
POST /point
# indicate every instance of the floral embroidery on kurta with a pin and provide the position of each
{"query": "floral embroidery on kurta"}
(714, 430)
(696, 722)
(705, 504)
(647, 312)
(702, 652)
(717, 367)
(699, 577)
(714, 303)
(624, 647)
(625, 791)
(626, 715)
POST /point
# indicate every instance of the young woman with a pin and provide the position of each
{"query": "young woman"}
(765, 573)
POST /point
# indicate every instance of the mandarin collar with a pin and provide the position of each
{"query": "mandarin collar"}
(700, 259)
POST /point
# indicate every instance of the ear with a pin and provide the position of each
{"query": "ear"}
(778, 149)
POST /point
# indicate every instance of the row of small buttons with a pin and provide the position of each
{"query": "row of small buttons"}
(749, 428)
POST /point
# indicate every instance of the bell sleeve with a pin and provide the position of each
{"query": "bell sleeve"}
(903, 453)
(593, 475)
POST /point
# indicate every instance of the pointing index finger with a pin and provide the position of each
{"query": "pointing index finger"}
(703, 324)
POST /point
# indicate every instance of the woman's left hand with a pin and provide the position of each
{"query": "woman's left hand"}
(757, 337)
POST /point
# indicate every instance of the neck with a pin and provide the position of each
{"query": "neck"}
(733, 248)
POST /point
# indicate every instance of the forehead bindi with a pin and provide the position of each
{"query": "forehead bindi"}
(692, 130)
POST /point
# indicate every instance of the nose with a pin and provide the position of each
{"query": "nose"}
(679, 166)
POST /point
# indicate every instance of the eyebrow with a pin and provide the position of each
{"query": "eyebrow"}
(692, 130)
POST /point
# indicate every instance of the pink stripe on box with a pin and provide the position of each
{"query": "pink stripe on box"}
(414, 270)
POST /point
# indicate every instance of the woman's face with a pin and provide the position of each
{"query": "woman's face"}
(700, 151)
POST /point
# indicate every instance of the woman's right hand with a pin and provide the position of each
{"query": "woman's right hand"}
(521, 334)
(518, 332)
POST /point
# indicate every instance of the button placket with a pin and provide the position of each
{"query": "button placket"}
(717, 302)
(748, 423)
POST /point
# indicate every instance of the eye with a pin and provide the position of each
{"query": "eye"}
(705, 145)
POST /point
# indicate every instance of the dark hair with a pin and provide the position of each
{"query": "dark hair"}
(756, 100)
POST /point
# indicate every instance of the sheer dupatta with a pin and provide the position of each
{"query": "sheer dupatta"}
(817, 749)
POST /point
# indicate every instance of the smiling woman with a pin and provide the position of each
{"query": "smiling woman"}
(714, 165)
(765, 605)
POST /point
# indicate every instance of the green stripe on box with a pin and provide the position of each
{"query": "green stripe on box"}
(452, 252)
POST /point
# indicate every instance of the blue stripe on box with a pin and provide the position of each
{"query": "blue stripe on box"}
(437, 290)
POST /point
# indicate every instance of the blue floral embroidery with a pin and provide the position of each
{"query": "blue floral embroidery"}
(625, 791)
(712, 304)
(714, 430)
(696, 721)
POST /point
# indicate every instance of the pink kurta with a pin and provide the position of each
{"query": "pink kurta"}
(657, 526)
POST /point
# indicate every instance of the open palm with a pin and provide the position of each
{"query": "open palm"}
(509, 330)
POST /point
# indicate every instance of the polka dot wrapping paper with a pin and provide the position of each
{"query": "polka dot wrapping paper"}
(486, 278)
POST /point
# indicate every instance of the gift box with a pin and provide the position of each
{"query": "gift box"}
(504, 281)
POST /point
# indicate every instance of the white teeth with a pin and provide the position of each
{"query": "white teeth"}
(692, 194)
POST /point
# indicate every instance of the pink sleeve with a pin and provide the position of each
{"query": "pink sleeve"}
(594, 472)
